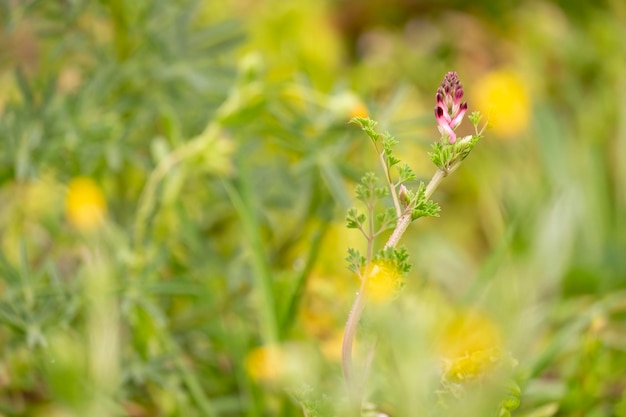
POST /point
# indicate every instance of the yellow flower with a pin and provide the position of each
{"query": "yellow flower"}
(382, 282)
(503, 98)
(358, 110)
(470, 344)
(265, 363)
(85, 204)
(281, 364)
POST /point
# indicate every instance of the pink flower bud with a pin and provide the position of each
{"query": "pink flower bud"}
(449, 111)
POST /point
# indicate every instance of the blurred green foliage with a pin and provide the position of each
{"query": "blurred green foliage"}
(218, 134)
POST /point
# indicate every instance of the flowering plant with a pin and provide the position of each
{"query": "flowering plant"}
(381, 268)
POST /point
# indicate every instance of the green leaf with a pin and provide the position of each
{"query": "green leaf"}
(511, 400)
(381, 192)
(475, 118)
(398, 257)
(367, 125)
(392, 160)
(367, 189)
(426, 209)
(363, 193)
(422, 207)
(369, 179)
(388, 142)
(405, 173)
(355, 259)
(463, 148)
(441, 155)
(354, 220)
(444, 154)
(387, 219)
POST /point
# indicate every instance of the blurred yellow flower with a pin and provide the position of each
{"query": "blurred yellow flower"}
(265, 363)
(382, 282)
(503, 98)
(282, 364)
(359, 110)
(85, 204)
(470, 343)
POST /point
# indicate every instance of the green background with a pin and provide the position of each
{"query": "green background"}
(218, 133)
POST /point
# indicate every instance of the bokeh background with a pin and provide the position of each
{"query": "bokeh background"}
(174, 178)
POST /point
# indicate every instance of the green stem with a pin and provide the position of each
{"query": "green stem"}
(405, 219)
(392, 188)
(359, 302)
(348, 340)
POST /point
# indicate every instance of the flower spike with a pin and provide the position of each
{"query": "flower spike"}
(449, 111)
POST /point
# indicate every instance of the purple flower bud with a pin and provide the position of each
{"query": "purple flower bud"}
(449, 111)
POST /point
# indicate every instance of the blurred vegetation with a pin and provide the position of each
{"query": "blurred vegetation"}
(174, 178)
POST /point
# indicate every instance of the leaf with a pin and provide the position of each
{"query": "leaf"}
(362, 192)
(386, 220)
(355, 259)
(405, 173)
(367, 125)
(396, 257)
(422, 207)
(441, 155)
(354, 220)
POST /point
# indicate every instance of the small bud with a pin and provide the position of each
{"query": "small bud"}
(403, 196)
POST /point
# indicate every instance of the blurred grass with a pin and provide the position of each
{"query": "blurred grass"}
(217, 134)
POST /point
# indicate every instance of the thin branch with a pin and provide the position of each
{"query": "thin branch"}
(360, 228)
(348, 340)
(370, 235)
(359, 303)
(392, 188)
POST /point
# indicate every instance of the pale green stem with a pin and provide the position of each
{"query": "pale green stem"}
(359, 302)
(348, 338)
(405, 220)
(392, 188)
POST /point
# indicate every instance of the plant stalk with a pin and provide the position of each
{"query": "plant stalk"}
(359, 303)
